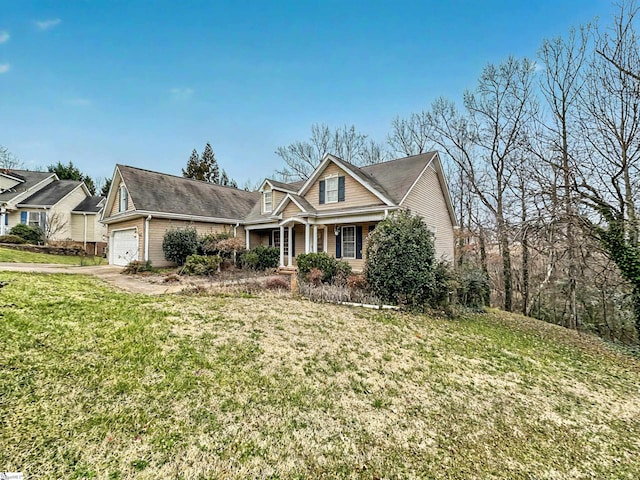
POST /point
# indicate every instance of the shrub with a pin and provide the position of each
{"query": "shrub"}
(261, 258)
(445, 283)
(343, 270)
(314, 276)
(137, 266)
(400, 260)
(177, 245)
(356, 282)
(277, 283)
(208, 244)
(13, 239)
(249, 260)
(202, 264)
(330, 267)
(28, 233)
(473, 287)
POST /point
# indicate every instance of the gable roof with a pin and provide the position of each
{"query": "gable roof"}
(29, 180)
(90, 205)
(51, 194)
(159, 192)
(396, 177)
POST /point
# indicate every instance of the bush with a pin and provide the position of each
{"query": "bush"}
(261, 258)
(331, 268)
(208, 244)
(445, 284)
(473, 287)
(314, 277)
(28, 233)
(400, 261)
(177, 245)
(202, 264)
(356, 282)
(137, 266)
(12, 239)
(278, 283)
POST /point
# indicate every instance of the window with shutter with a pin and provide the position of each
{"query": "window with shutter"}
(331, 188)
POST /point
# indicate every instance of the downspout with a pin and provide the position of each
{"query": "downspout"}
(85, 232)
(146, 238)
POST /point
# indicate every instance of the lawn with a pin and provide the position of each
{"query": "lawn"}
(99, 383)
(17, 256)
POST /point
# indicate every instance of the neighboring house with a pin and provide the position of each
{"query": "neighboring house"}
(333, 211)
(63, 209)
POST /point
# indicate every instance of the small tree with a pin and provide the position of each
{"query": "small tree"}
(400, 264)
(177, 245)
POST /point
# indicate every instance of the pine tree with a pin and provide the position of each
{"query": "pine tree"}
(224, 178)
(211, 171)
(194, 167)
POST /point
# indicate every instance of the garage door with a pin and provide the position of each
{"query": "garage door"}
(124, 248)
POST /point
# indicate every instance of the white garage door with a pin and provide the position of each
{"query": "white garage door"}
(124, 247)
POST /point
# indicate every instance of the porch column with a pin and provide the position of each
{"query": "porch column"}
(282, 246)
(290, 252)
(2, 217)
(314, 242)
(326, 239)
(307, 248)
(246, 240)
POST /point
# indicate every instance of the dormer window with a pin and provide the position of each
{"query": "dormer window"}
(124, 199)
(332, 189)
(268, 201)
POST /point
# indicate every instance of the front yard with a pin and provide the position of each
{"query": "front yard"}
(98, 383)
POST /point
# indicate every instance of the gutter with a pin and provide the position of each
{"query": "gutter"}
(146, 237)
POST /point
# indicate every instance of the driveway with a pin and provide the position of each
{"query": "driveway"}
(109, 273)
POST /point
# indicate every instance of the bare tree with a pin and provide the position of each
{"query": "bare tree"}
(55, 223)
(485, 141)
(302, 157)
(609, 174)
(8, 160)
(413, 135)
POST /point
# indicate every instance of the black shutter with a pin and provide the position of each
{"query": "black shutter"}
(271, 239)
(321, 188)
(339, 244)
(292, 242)
(341, 189)
(359, 241)
(23, 217)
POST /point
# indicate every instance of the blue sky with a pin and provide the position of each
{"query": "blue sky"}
(144, 82)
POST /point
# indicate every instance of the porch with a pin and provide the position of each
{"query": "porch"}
(344, 241)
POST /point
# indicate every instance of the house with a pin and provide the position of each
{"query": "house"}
(142, 205)
(63, 209)
(333, 211)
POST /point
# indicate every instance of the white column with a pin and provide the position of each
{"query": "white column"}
(2, 217)
(307, 249)
(314, 242)
(282, 246)
(290, 252)
(246, 240)
(326, 239)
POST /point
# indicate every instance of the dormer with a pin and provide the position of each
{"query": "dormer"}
(272, 194)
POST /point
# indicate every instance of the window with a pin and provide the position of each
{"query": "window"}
(276, 240)
(124, 199)
(34, 219)
(349, 242)
(267, 201)
(331, 185)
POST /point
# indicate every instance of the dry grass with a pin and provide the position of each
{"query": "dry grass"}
(261, 385)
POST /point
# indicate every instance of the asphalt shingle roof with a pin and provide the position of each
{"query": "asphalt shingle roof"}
(51, 194)
(30, 179)
(89, 205)
(159, 192)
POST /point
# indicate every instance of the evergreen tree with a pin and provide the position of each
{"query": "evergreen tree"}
(105, 187)
(71, 172)
(211, 171)
(194, 167)
(224, 179)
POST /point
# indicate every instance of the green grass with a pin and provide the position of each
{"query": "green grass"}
(18, 256)
(96, 383)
